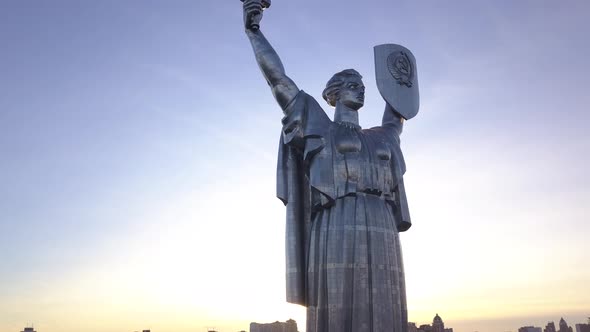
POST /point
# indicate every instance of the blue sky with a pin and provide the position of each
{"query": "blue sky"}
(138, 146)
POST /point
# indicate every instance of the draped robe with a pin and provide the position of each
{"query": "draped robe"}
(345, 199)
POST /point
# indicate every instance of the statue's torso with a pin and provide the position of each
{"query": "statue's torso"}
(361, 160)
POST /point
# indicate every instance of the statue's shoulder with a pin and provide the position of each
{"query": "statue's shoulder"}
(306, 110)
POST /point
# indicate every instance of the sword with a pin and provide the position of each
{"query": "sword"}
(253, 21)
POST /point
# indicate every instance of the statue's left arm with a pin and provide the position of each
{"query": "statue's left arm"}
(392, 120)
(394, 123)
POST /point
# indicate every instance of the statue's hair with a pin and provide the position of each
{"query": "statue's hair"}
(334, 85)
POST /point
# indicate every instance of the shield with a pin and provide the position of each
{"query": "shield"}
(397, 79)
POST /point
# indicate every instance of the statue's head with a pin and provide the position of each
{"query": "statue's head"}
(346, 87)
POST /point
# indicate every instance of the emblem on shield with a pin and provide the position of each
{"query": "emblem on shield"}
(401, 68)
(395, 69)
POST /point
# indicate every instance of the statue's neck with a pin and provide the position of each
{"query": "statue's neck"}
(346, 114)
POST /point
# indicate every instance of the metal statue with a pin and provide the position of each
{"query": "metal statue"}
(343, 190)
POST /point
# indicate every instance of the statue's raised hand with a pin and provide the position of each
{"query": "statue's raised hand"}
(253, 13)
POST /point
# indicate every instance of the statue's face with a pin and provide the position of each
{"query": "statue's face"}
(352, 94)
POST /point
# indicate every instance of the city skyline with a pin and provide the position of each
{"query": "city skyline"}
(291, 325)
(129, 128)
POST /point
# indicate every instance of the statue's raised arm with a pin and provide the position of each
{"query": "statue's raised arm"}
(283, 88)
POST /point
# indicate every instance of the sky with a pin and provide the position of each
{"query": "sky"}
(138, 146)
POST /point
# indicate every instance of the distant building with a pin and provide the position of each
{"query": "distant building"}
(582, 327)
(529, 329)
(425, 328)
(288, 326)
(437, 324)
(563, 327)
(29, 329)
(550, 327)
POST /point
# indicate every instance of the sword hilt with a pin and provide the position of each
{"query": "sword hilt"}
(265, 3)
(253, 22)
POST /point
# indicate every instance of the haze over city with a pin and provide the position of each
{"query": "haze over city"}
(138, 146)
